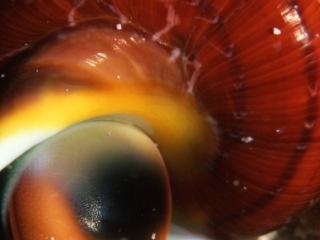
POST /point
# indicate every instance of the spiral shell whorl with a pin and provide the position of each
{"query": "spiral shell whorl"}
(250, 68)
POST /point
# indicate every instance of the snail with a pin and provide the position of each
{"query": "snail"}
(118, 118)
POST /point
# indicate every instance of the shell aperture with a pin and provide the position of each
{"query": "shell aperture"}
(109, 191)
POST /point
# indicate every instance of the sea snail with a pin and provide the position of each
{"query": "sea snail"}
(118, 118)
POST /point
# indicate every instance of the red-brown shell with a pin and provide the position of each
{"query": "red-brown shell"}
(256, 71)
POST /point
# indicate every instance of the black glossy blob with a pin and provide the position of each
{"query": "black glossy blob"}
(125, 200)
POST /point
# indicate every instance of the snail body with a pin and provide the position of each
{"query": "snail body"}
(228, 92)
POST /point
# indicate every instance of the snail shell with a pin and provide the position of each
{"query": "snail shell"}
(229, 89)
